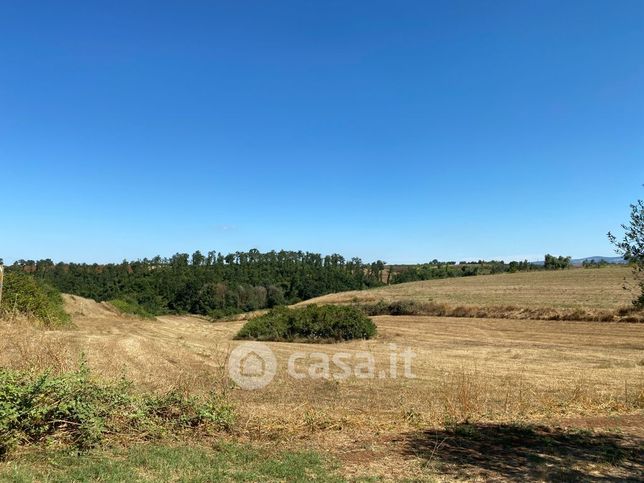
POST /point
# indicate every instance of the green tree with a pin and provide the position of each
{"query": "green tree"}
(198, 259)
(631, 247)
(556, 263)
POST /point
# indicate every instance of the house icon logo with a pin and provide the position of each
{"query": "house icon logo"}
(252, 365)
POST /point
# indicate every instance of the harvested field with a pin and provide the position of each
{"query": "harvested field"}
(474, 379)
(577, 288)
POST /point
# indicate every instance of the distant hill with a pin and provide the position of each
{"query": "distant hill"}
(597, 259)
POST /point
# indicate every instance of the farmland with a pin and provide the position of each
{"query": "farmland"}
(577, 288)
(479, 384)
(322, 241)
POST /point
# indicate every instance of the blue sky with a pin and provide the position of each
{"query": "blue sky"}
(404, 131)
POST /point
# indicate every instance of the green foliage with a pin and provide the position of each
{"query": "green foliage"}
(129, 305)
(219, 314)
(313, 323)
(398, 307)
(154, 462)
(28, 296)
(438, 270)
(631, 247)
(595, 264)
(211, 284)
(556, 263)
(638, 302)
(78, 411)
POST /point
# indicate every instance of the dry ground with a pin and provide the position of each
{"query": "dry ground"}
(482, 389)
(574, 288)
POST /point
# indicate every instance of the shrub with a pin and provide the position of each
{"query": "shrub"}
(130, 306)
(313, 323)
(402, 307)
(78, 411)
(556, 263)
(25, 295)
(406, 307)
(219, 314)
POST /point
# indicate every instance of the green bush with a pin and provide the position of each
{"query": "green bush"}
(313, 323)
(219, 314)
(131, 306)
(76, 410)
(397, 307)
(25, 295)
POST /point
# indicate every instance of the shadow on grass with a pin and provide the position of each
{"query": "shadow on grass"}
(528, 452)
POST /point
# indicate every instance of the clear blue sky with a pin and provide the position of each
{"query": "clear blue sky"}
(398, 130)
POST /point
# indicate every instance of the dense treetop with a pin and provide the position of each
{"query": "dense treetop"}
(212, 283)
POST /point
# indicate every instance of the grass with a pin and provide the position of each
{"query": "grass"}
(469, 372)
(527, 452)
(131, 307)
(414, 307)
(465, 369)
(151, 462)
(577, 288)
(73, 409)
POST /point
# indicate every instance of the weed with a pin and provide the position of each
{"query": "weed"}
(27, 296)
(78, 411)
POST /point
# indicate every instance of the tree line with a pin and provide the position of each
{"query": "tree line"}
(210, 284)
(216, 285)
(436, 269)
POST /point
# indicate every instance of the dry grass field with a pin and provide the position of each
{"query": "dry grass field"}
(575, 288)
(490, 398)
